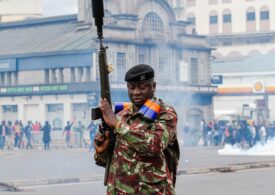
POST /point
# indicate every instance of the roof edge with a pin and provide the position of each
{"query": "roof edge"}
(38, 21)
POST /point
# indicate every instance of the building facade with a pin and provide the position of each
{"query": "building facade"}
(52, 68)
(13, 10)
(242, 33)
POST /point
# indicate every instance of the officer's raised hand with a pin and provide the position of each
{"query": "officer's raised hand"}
(108, 114)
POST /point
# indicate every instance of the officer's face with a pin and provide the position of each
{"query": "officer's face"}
(139, 92)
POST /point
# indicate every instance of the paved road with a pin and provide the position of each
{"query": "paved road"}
(252, 182)
(62, 163)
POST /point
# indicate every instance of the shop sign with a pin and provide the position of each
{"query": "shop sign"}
(7, 65)
(34, 89)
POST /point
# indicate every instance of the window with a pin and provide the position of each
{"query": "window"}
(194, 69)
(9, 108)
(141, 55)
(226, 1)
(212, 2)
(227, 18)
(152, 22)
(121, 66)
(213, 19)
(264, 15)
(55, 107)
(141, 58)
(250, 16)
(164, 70)
(192, 20)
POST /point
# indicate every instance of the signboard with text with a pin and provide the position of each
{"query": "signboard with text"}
(68, 88)
(8, 65)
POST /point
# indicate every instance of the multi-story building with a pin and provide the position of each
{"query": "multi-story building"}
(13, 10)
(243, 33)
(50, 71)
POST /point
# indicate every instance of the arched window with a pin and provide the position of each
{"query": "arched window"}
(152, 22)
(226, 21)
(250, 19)
(264, 18)
(213, 22)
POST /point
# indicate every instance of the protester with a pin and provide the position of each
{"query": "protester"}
(27, 132)
(17, 132)
(67, 131)
(46, 135)
(36, 132)
(3, 132)
(9, 135)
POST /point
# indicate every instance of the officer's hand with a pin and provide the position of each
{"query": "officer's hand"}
(104, 141)
(108, 114)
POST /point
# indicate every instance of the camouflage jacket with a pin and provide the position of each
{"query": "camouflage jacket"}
(143, 154)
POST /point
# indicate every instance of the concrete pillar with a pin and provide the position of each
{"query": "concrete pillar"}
(6, 77)
(76, 73)
(20, 112)
(67, 112)
(42, 113)
(59, 75)
(13, 78)
(87, 74)
(1, 84)
(67, 75)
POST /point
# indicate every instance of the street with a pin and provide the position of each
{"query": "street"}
(252, 182)
(72, 171)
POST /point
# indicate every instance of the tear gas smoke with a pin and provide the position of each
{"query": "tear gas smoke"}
(268, 149)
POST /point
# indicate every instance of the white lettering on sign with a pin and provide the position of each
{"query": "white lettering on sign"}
(3, 90)
(4, 65)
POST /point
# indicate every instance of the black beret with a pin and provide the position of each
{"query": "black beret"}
(140, 72)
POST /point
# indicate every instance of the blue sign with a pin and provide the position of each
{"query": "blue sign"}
(217, 79)
(8, 65)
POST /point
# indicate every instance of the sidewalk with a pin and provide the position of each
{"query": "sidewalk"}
(57, 166)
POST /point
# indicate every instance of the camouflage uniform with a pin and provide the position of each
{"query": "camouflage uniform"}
(139, 165)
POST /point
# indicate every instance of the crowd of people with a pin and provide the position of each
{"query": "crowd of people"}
(19, 136)
(218, 133)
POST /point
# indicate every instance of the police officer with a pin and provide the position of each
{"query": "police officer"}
(146, 151)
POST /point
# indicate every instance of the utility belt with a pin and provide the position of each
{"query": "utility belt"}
(149, 111)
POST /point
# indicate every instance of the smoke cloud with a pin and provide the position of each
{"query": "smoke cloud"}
(267, 149)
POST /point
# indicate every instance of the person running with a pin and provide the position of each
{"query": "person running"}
(68, 131)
